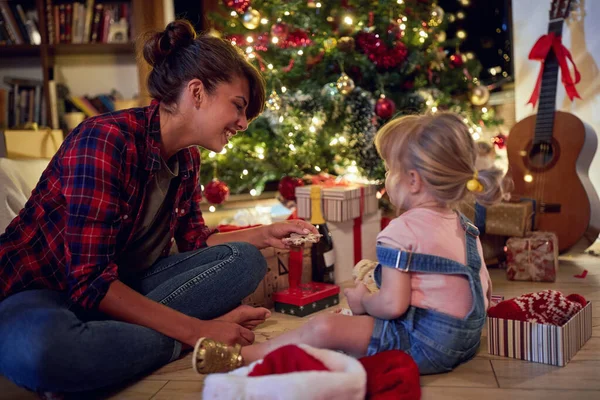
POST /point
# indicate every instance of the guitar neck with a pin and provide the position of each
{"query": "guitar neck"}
(547, 105)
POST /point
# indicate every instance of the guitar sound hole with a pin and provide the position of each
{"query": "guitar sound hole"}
(541, 155)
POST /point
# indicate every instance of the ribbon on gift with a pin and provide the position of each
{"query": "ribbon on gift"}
(540, 51)
(357, 229)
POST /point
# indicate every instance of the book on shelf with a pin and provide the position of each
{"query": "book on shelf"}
(89, 21)
(25, 103)
(19, 24)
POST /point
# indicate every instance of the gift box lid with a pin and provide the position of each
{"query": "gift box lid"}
(339, 192)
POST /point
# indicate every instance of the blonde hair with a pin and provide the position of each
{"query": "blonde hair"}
(440, 148)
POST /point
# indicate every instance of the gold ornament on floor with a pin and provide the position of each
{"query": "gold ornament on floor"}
(345, 84)
(330, 44)
(479, 95)
(346, 44)
(274, 101)
(251, 19)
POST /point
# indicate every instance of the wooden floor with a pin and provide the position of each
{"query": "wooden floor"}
(485, 376)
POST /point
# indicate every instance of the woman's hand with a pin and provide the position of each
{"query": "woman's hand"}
(272, 234)
(355, 296)
(222, 331)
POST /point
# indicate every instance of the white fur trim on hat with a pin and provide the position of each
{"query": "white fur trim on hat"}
(345, 380)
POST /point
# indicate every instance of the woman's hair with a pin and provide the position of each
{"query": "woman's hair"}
(440, 148)
(178, 55)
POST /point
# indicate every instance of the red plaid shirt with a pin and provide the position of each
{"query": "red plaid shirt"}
(85, 208)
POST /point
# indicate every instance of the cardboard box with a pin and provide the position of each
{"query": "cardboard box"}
(339, 203)
(547, 344)
(27, 144)
(276, 278)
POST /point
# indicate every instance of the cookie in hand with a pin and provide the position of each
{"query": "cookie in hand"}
(296, 239)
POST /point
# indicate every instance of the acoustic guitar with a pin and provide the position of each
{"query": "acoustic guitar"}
(549, 156)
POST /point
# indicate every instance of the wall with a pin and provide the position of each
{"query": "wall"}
(582, 37)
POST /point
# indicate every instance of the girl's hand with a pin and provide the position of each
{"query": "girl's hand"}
(272, 234)
(355, 296)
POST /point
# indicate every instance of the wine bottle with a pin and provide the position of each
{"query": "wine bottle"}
(323, 256)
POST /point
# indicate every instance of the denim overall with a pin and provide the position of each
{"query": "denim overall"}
(436, 341)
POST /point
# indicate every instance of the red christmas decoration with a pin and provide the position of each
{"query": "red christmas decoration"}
(296, 38)
(288, 185)
(499, 140)
(280, 31)
(385, 108)
(379, 53)
(456, 60)
(216, 192)
(237, 39)
(238, 5)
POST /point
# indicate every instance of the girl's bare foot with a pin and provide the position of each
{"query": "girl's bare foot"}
(247, 316)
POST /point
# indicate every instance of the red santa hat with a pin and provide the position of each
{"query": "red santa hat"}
(292, 372)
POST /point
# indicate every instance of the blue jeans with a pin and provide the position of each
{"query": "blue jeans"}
(46, 346)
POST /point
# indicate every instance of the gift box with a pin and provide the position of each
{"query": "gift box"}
(276, 279)
(532, 258)
(504, 219)
(339, 203)
(541, 343)
(353, 241)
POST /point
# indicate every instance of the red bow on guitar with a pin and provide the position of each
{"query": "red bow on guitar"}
(540, 51)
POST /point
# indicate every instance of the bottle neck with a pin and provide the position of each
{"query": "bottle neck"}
(316, 213)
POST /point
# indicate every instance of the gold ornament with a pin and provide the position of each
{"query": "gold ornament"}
(251, 19)
(479, 95)
(345, 84)
(441, 37)
(329, 44)
(346, 44)
(274, 101)
(437, 16)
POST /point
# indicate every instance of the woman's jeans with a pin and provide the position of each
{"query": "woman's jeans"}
(46, 346)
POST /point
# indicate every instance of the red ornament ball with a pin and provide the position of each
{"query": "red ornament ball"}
(456, 60)
(216, 192)
(288, 185)
(385, 108)
(499, 140)
(280, 31)
(238, 5)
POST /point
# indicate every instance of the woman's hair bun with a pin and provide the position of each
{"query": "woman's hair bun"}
(159, 45)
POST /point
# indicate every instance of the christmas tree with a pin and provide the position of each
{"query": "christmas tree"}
(335, 72)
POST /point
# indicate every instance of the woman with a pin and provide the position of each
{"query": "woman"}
(89, 293)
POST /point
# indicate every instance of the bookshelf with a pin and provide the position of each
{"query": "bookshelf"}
(141, 16)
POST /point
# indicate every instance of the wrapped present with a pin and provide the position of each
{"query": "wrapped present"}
(353, 218)
(533, 257)
(541, 343)
(340, 203)
(353, 241)
(504, 219)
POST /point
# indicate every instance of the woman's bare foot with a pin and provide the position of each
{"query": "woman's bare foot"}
(247, 316)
